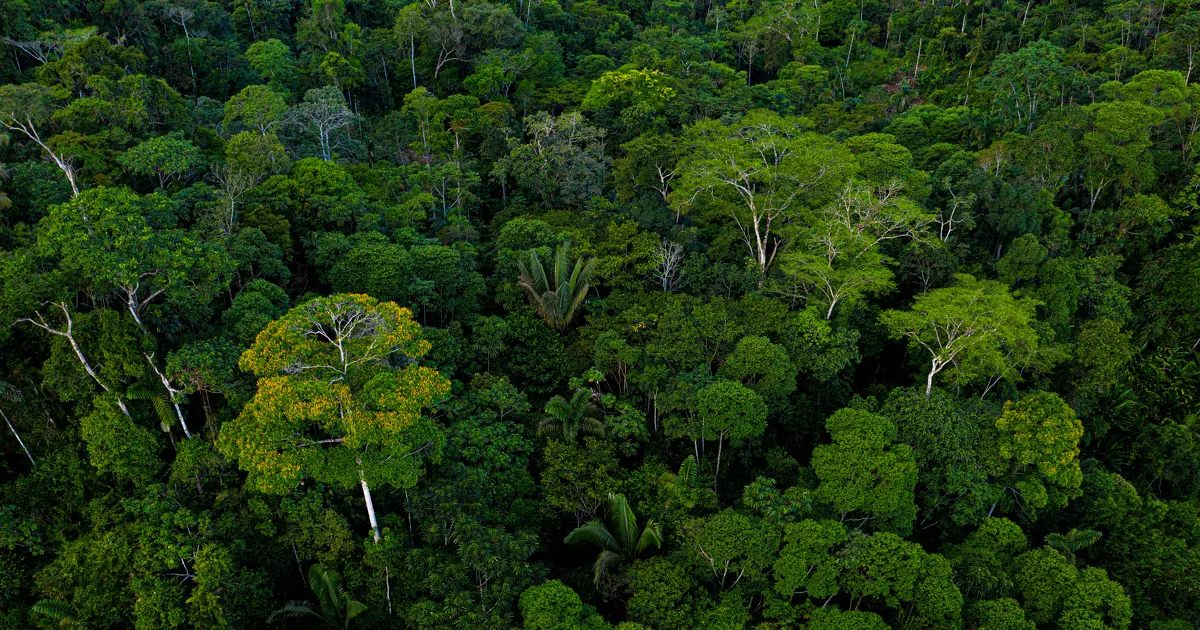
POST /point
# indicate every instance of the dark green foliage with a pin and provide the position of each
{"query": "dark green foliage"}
(831, 315)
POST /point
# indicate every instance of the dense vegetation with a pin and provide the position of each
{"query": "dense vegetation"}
(585, 314)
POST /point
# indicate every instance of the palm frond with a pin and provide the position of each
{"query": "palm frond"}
(556, 293)
(9, 392)
(623, 521)
(550, 426)
(327, 586)
(605, 563)
(1073, 541)
(596, 533)
(558, 408)
(562, 260)
(166, 417)
(591, 426)
(353, 609)
(295, 609)
(687, 471)
(62, 612)
(580, 282)
(652, 535)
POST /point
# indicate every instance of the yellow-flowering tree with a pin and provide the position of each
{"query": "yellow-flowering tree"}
(1035, 452)
(340, 399)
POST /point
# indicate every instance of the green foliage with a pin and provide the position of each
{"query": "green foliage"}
(334, 606)
(554, 606)
(975, 328)
(1041, 433)
(866, 478)
(763, 367)
(557, 292)
(569, 419)
(119, 446)
(329, 240)
(619, 537)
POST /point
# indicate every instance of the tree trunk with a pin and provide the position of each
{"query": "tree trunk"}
(18, 436)
(929, 379)
(370, 505)
(717, 472)
(171, 392)
(412, 56)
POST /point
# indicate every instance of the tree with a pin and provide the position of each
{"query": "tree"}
(668, 265)
(554, 606)
(832, 618)
(1116, 148)
(808, 563)
(411, 23)
(557, 294)
(975, 327)
(728, 409)
(339, 399)
(273, 61)
(1026, 80)
(663, 594)
(564, 159)
(577, 478)
(734, 546)
(568, 419)
(900, 572)
(838, 259)
(620, 539)
(106, 237)
(324, 114)
(337, 609)
(760, 172)
(257, 107)
(763, 367)
(9, 393)
(1036, 449)
(168, 158)
(22, 109)
(650, 164)
(863, 472)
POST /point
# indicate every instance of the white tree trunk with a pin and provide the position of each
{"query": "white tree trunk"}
(370, 506)
(18, 436)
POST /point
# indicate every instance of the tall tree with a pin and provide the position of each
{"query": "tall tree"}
(760, 172)
(976, 328)
(340, 399)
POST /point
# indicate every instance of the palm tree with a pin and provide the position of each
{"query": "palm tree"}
(337, 609)
(619, 539)
(569, 418)
(1075, 540)
(558, 295)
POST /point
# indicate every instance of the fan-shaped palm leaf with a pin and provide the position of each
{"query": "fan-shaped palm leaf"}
(556, 296)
